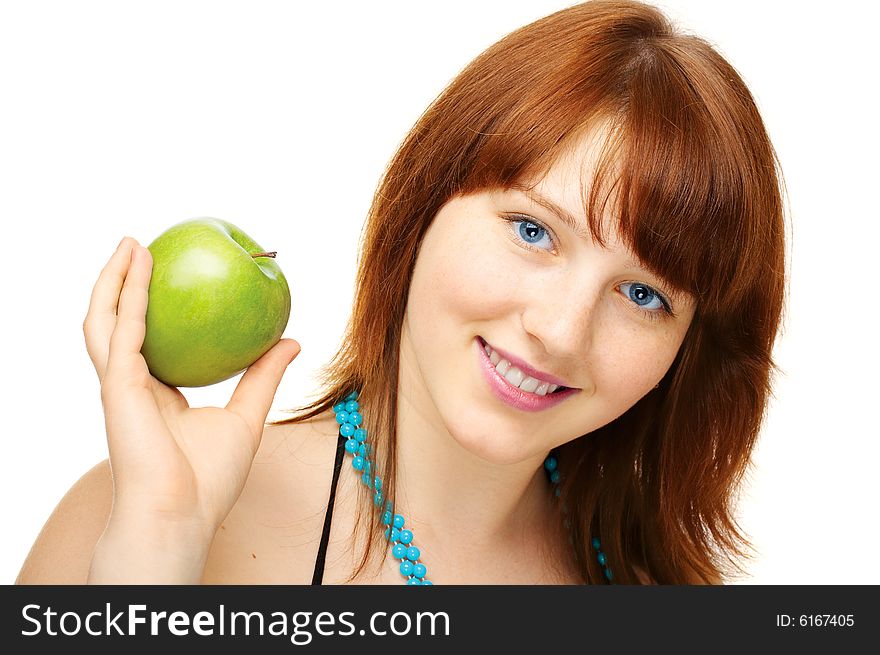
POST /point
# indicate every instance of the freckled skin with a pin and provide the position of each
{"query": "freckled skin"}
(560, 309)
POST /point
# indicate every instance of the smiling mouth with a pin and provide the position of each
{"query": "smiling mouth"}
(518, 378)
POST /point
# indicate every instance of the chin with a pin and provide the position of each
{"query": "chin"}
(491, 442)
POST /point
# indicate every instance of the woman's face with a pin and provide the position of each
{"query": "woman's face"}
(501, 268)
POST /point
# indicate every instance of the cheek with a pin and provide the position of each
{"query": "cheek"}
(631, 364)
(455, 279)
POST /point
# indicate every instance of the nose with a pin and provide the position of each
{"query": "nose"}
(563, 317)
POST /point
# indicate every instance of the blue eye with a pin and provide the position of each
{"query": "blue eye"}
(531, 232)
(644, 296)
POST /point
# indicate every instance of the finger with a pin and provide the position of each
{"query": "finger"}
(254, 393)
(128, 334)
(101, 316)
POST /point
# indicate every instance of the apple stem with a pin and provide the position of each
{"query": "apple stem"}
(265, 254)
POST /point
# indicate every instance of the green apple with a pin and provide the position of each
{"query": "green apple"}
(217, 302)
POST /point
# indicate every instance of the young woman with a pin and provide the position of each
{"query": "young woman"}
(556, 366)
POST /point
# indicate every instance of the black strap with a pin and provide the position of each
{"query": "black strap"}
(318, 575)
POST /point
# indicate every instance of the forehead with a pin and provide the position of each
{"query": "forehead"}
(573, 167)
(567, 183)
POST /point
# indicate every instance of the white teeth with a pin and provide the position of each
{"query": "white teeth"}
(529, 384)
(516, 377)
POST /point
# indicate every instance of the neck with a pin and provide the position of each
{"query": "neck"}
(461, 507)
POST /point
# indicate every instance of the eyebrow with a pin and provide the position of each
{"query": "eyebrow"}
(563, 215)
(566, 217)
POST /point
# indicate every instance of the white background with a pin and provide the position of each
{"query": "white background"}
(123, 118)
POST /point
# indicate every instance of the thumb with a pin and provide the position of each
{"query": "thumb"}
(254, 393)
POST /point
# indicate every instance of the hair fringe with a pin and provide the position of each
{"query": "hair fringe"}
(690, 175)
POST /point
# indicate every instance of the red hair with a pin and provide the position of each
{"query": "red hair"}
(690, 175)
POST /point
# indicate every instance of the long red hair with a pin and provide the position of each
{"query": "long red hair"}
(691, 177)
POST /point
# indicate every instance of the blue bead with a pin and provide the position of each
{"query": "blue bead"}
(427, 582)
(366, 478)
(557, 492)
(377, 483)
(341, 417)
(338, 407)
(554, 477)
(389, 505)
(608, 574)
(362, 450)
(358, 463)
(360, 434)
(602, 559)
(413, 581)
(352, 406)
(596, 543)
(351, 446)
(355, 418)
(346, 429)
(419, 570)
(550, 463)
(398, 521)
(386, 518)
(412, 554)
(377, 498)
(406, 567)
(392, 536)
(399, 551)
(406, 536)
(352, 396)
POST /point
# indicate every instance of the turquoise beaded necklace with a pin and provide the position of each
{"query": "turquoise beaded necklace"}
(411, 568)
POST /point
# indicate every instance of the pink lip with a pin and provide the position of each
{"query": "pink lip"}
(525, 368)
(517, 398)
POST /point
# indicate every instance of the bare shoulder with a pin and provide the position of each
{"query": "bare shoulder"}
(296, 457)
(296, 462)
(271, 533)
(62, 552)
(306, 441)
(287, 483)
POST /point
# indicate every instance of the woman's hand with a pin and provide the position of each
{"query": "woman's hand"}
(177, 471)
